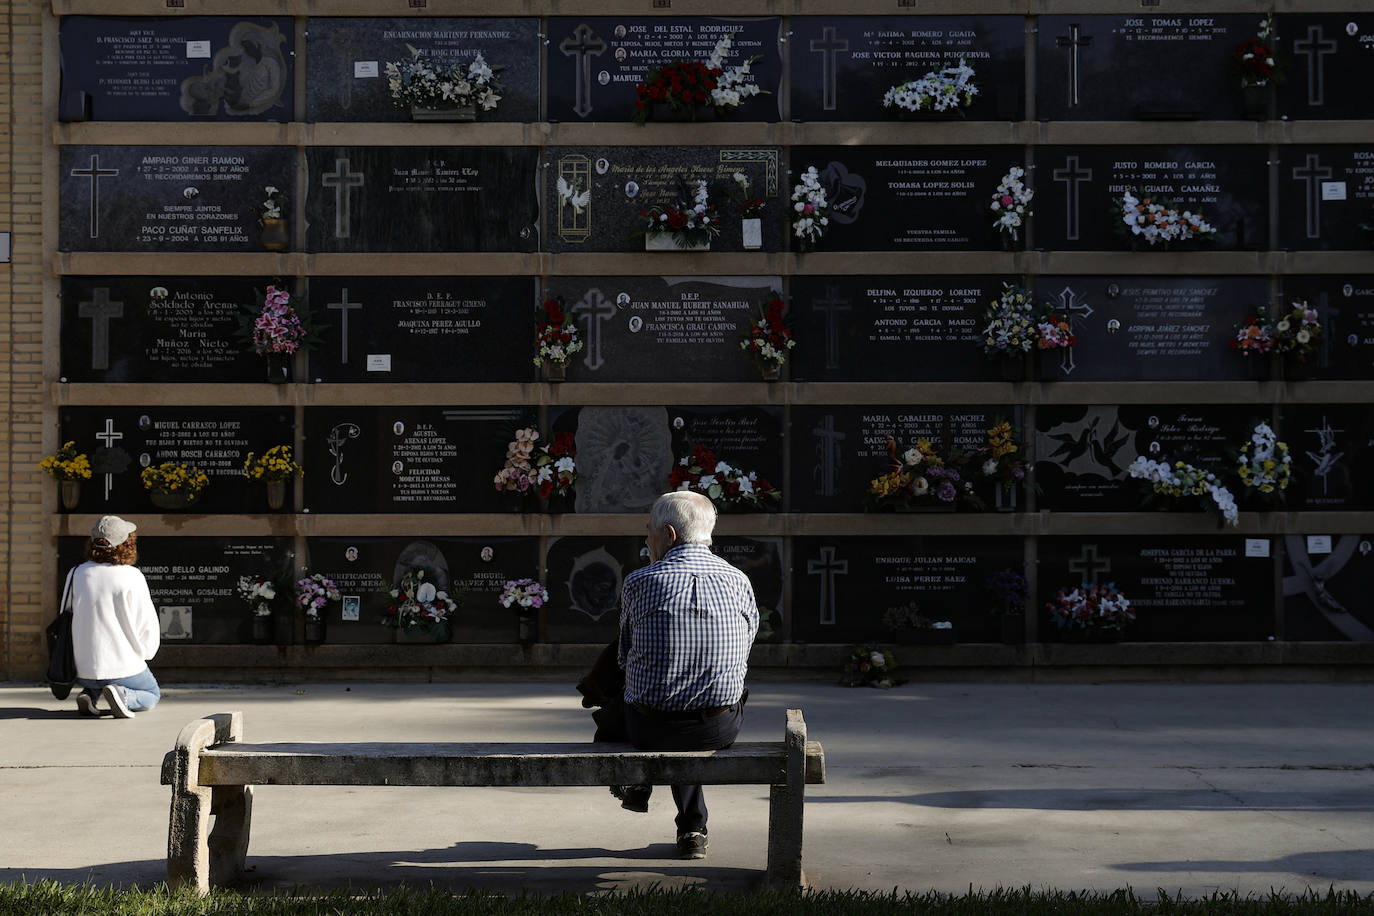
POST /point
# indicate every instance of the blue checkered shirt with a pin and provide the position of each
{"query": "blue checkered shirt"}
(686, 625)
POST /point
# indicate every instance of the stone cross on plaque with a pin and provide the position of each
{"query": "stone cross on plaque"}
(100, 310)
(1071, 305)
(95, 173)
(827, 567)
(827, 46)
(582, 44)
(1089, 564)
(1313, 173)
(343, 179)
(108, 438)
(1073, 41)
(1315, 47)
(597, 309)
(828, 440)
(343, 306)
(832, 306)
(1072, 176)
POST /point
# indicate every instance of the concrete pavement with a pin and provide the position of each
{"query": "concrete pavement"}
(930, 786)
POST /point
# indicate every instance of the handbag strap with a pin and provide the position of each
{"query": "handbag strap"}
(66, 607)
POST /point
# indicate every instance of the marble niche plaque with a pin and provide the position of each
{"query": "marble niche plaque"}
(157, 329)
(678, 328)
(472, 570)
(1147, 65)
(1078, 191)
(168, 198)
(842, 586)
(423, 329)
(410, 198)
(904, 198)
(1182, 589)
(894, 328)
(1345, 308)
(406, 459)
(194, 582)
(837, 450)
(1332, 446)
(347, 57)
(608, 186)
(1326, 594)
(191, 68)
(1326, 58)
(586, 576)
(1325, 193)
(625, 454)
(122, 441)
(1082, 452)
(1150, 328)
(595, 63)
(842, 66)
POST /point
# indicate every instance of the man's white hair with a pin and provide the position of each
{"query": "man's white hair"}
(692, 516)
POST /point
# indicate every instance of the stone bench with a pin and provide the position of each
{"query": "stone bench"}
(212, 772)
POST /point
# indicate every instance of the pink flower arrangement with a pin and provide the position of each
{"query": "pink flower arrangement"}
(278, 329)
(314, 592)
(527, 593)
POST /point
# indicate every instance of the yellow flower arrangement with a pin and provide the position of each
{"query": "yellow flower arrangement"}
(171, 477)
(67, 464)
(277, 463)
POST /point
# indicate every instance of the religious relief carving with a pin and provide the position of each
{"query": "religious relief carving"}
(248, 76)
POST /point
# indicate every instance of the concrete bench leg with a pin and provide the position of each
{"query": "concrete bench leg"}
(194, 857)
(785, 810)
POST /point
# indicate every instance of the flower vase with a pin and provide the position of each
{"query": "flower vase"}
(1013, 629)
(559, 503)
(171, 499)
(514, 500)
(667, 241)
(278, 368)
(770, 372)
(70, 491)
(314, 631)
(1254, 102)
(1258, 368)
(1295, 371)
(262, 629)
(429, 634)
(662, 111)
(276, 234)
(528, 629)
(1009, 242)
(276, 494)
(927, 114)
(555, 372)
(751, 231)
(447, 113)
(1012, 368)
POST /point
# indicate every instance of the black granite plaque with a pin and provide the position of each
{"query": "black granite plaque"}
(837, 450)
(472, 570)
(1147, 328)
(902, 198)
(201, 68)
(1182, 589)
(408, 198)
(842, 586)
(194, 582)
(1345, 308)
(406, 459)
(1078, 191)
(596, 62)
(663, 328)
(626, 454)
(842, 66)
(157, 329)
(347, 58)
(903, 328)
(424, 329)
(1325, 57)
(607, 187)
(1325, 193)
(1326, 594)
(1082, 452)
(168, 198)
(1148, 65)
(122, 441)
(1332, 446)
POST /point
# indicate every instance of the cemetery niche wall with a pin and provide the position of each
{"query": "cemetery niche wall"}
(424, 252)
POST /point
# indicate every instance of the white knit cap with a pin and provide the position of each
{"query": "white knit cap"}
(113, 529)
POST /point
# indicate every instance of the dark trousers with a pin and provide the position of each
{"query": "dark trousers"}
(685, 732)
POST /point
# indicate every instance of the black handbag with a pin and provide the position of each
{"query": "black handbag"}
(61, 655)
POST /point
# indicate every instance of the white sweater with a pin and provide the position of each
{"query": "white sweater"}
(114, 624)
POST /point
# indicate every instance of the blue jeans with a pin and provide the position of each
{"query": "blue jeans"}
(140, 690)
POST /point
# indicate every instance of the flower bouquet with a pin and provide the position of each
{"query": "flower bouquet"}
(433, 90)
(419, 609)
(1000, 460)
(1183, 481)
(1264, 466)
(1009, 329)
(728, 487)
(682, 226)
(947, 90)
(1010, 592)
(67, 463)
(688, 89)
(1156, 221)
(768, 338)
(527, 593)
(313, 593)
(1011, 203)
(869, 666)
(1253, 62)
(276, 329)
(272, 207)
(1255, 335)
(172, 485)
(1092, 609)
(259, 592)
(1053, 331)
(556, 340)
(920, 479)
(555, 467)
(277, 463)
(272, 219)
(810, 209)
(1298, 332)
(516, 478)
